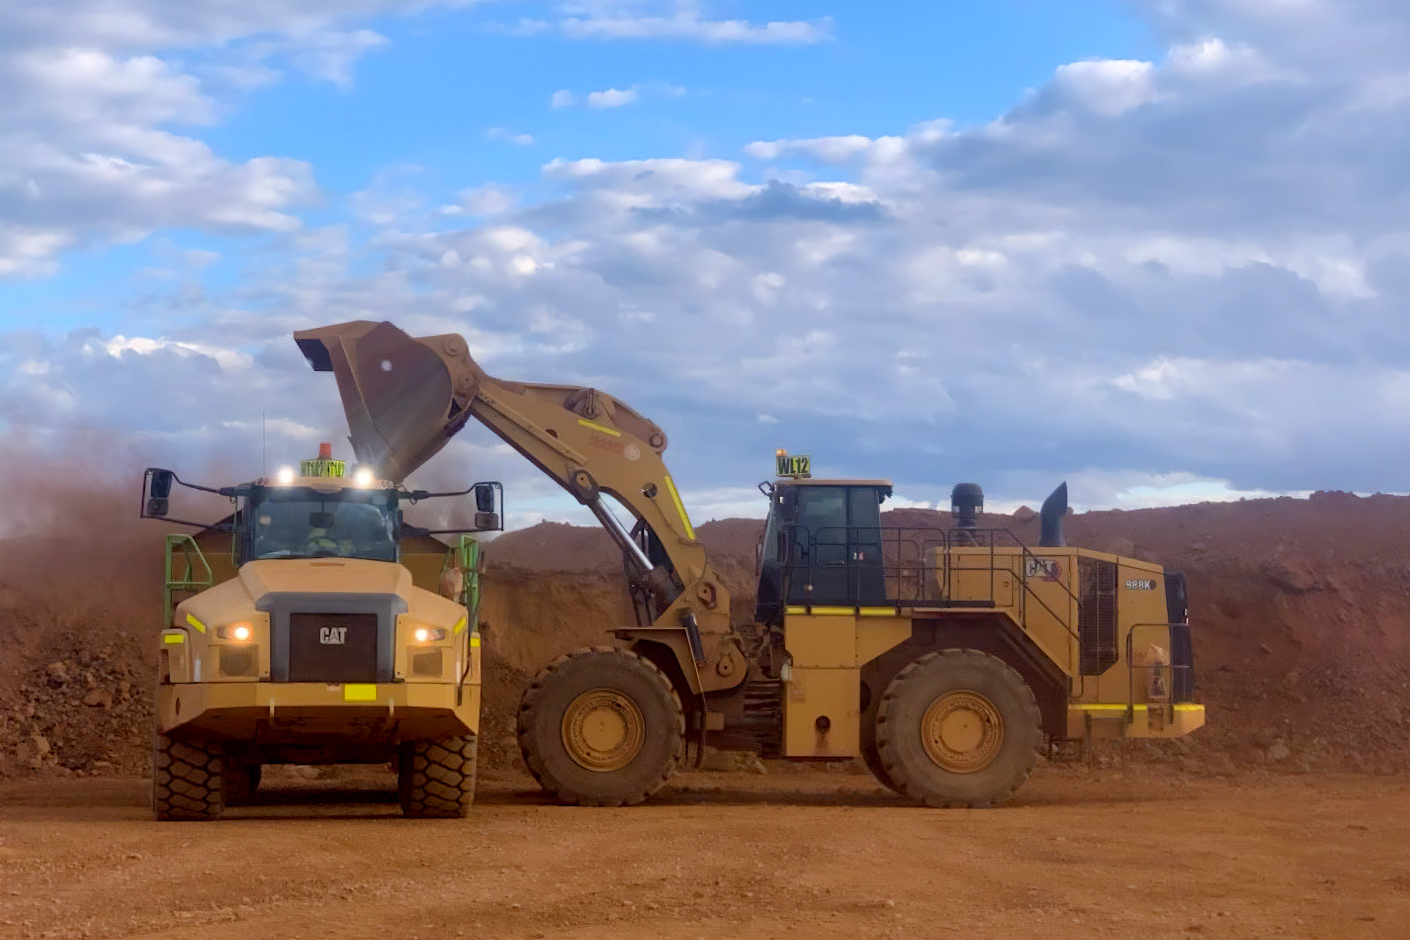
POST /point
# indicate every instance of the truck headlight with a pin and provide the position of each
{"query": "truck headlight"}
(239, 632)
(429, 634)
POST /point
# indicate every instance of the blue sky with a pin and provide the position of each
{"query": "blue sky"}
(1156, 248)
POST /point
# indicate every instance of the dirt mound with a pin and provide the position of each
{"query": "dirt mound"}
(1301, 610)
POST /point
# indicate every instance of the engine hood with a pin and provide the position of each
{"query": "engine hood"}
(324, 576)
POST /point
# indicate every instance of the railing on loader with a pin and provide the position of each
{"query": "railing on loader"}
(891, 566)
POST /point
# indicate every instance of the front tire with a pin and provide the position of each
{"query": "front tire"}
(958, 728)
(601, 727)
(436, 779)
(187, 778)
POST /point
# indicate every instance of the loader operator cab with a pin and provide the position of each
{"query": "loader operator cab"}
(822, 542)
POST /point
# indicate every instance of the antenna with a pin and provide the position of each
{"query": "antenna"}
(263, 448)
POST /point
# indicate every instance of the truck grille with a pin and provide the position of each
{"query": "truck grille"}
(332, 647)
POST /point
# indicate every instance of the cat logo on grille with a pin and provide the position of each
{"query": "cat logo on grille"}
(333, 636)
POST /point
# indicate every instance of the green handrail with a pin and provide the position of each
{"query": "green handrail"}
(188, 580)
(466, 555)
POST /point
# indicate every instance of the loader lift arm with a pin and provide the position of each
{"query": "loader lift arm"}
(405, 397)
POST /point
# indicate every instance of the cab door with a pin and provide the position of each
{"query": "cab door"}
(837, 557)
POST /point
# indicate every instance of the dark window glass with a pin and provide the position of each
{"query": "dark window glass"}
(297, 522)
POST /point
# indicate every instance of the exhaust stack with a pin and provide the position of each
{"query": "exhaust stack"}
(1054, 508)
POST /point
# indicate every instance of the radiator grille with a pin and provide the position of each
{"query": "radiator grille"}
(332, 647)
(1096, 625)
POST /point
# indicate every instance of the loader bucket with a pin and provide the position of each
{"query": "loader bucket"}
(404, 396)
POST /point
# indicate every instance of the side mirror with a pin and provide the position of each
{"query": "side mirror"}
(159, 492)
(484, 497)
(486, 518)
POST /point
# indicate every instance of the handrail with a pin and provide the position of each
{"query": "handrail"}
(1131, 666)
(900, 567)
(466, 555)
(190, 553)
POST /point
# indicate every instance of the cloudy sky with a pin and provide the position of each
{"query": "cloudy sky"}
(1156, 247)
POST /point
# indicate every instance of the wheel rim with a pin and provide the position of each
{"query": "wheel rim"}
(962, 732)
(603, 730)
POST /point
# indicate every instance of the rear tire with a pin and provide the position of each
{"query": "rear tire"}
(958, 728)
(187, 778)
(436, 779)
(601, 727)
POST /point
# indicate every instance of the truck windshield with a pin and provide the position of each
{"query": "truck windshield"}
(298, 522)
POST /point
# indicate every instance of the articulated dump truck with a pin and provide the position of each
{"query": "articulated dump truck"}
(314, 625)
(946, 658)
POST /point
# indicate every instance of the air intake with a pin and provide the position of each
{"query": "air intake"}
(967, 502)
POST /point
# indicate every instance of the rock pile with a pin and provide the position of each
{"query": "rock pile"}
(88, 712)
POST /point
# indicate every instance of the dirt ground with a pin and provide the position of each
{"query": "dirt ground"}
(1127, 852)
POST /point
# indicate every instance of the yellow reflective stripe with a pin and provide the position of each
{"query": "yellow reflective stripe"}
(824, 611)
(460, 625)
(680, 507)
(474, 639)
(1189, 707)
(598, 427)
(877, 612)
(170, 638)
(195, 623)
(358, 692)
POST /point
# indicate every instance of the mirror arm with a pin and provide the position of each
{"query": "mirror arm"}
(417, 495)
(219, 491)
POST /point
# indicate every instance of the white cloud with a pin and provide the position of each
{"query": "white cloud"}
(608, 98)
(94, 89)
(500, 133)
(1108, 87)
(684, 20)
(230, 360)
(612, 97)
(482, 201)
(1168, 280)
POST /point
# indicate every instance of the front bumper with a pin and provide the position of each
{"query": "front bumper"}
(292, 712)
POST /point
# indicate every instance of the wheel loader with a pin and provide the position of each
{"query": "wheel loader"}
(314, 625)
(946, 658)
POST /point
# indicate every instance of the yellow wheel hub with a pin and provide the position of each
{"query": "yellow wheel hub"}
(962, 732)
(603, 730)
